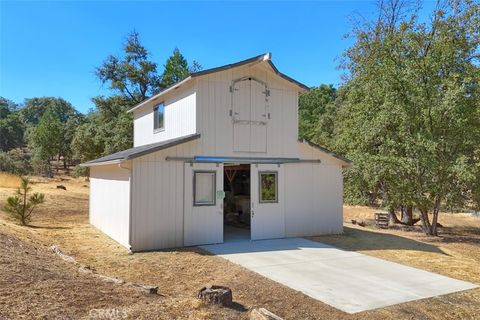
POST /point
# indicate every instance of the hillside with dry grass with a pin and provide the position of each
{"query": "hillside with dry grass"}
(36, 283)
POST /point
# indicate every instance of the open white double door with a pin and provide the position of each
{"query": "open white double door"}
(203, 207)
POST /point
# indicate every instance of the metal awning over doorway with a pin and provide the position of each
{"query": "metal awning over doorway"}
(234, 160)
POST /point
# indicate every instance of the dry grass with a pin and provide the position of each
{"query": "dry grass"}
(8, 180)
(180, 273)
(455, 253)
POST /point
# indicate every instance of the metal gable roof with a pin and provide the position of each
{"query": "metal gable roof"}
(139, 151)
(346, 162)
(262, 57)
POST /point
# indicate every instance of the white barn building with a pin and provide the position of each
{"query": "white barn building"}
(216, 157)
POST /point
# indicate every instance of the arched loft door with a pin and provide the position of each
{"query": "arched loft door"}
(249, 106)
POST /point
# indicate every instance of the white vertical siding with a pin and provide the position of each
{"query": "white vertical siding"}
(158, 199)
(179, 119)
(214, 123)
(314, 199)
(312, 194)
(110, 201)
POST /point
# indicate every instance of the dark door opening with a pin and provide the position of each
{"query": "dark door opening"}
(237, 202)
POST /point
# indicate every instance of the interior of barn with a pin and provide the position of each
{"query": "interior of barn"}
(236, 212)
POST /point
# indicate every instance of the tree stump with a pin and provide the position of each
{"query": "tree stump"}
(263, 314)
(216, 295)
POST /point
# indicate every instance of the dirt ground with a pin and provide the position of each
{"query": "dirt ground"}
(37, 284)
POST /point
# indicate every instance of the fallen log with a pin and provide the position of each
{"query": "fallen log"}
(263, 314)
(87, 270)
(144, 288)
(59, 253)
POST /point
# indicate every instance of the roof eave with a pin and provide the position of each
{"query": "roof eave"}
(158, 95)
(154, 148)
(346, 163)
(259, 58)
(94, 164)
(302, 86)
(254, 60)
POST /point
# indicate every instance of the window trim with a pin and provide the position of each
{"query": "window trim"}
(155, 107)
(214, 188)
(260, 173)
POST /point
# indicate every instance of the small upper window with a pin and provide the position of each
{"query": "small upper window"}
(158, 117)
(268, 186)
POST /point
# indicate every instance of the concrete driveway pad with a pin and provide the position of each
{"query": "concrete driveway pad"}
(346, 280)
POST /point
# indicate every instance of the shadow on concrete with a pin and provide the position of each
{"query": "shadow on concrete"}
(351, 240)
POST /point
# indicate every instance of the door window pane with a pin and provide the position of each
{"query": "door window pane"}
(268, 186)
(204, 188)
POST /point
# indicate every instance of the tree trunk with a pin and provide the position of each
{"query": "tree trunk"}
(426, 226)
(407, 215)
(393, 216)
(436, 210)
(434, 224)
(373, 196)
(64, 162)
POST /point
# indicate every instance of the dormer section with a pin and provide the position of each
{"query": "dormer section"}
(244, 108)
(170, 116)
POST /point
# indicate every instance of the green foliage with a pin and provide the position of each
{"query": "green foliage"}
(177, 69)
(11, 132)
(410, 111)
(268, 187)
(21, 205)
(80, 172)
(132, 76)
(317, 113)
(46, 139)
(15, 162)
(11, 127)
(106, 130)
(41, 165)
(4, 107)
(7, 107)
(69, 130)
(34, 109)
(51, 124)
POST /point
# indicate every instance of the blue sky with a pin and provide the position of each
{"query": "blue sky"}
(52, 48)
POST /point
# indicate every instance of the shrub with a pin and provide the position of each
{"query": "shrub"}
(41, 166)
(80, 172)
(15, 162)
(22, 205)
